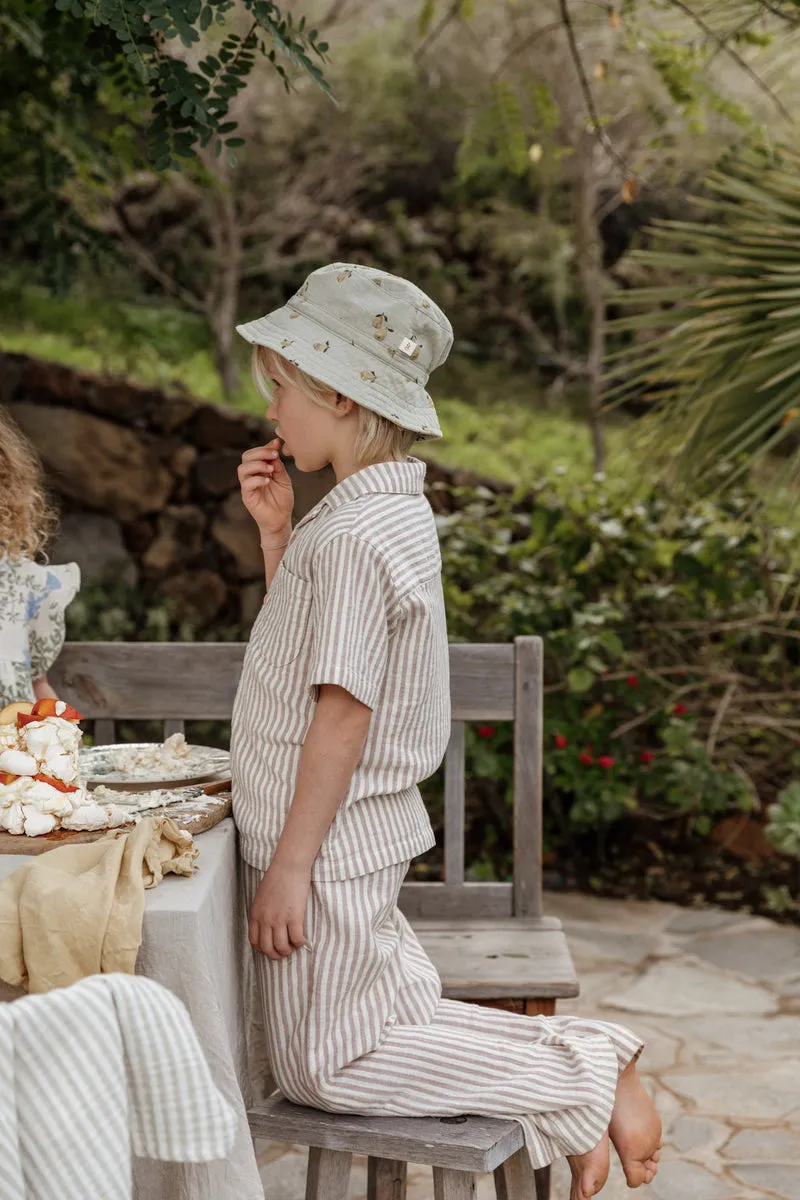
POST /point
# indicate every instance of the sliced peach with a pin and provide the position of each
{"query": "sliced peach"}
(26, 719)
(48, 707)
(7, 777)
(58, 784)
(8, 715)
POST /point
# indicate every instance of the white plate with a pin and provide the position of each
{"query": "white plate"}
(97, 766)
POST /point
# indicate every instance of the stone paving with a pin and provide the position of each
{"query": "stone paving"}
(716, 996)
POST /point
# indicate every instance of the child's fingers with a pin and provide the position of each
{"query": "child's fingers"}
(280, 940)
(263, 941)
(254, 464)
(278, 472)
(270, 451)
(296, 935)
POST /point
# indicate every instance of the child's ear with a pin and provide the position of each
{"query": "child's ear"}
(344, 405)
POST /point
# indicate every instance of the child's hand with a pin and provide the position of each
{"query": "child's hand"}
(267, 490)
(278, 911)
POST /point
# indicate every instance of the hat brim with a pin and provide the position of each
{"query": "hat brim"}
(346, 368)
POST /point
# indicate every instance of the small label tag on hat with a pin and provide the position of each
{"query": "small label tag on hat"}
(409, 347)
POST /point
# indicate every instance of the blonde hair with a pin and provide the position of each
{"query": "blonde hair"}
(378, 439)
(27, 520)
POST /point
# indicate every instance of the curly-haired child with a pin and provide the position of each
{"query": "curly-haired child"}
(33, 596)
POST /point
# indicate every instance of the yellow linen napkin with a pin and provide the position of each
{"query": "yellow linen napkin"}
(77, 910)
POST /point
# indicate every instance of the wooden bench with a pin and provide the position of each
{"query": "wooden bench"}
(490, 942)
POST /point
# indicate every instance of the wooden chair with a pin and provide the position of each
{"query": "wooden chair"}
(490, 942)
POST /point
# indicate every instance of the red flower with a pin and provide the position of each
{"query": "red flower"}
(646, 756)
(586, 758)
(606, 762)
(588, 746)
(632, 681)
(560, 741)
(679, 710)
(486, 731)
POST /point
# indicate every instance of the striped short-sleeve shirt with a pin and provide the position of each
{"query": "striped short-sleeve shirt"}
(356, 601)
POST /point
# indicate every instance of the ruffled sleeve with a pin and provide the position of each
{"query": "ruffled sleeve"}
(51, 590)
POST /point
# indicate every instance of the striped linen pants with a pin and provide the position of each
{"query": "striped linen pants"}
(357, 1024)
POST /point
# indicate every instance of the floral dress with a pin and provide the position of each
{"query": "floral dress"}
(33, 600)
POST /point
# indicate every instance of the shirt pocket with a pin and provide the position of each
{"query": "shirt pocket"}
(283, 625)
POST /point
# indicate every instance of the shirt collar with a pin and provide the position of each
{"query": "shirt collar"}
(384, 478)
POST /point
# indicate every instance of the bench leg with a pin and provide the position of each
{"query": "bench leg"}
(514, 1179)
(542, 1177)
(453, 1185)
(328, 1175)
(386, 1179)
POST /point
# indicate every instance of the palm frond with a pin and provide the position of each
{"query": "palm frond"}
(716, 347)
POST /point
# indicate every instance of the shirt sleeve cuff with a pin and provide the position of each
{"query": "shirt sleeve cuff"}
(365, 690)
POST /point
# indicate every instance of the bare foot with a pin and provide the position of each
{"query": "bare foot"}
(589, 1171)
(635, 1129)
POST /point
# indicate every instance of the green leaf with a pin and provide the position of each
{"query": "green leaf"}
(580, 679)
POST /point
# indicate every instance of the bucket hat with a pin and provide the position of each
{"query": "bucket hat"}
(370, 335)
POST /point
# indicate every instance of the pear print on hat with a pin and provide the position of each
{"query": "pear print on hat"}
(380, 323)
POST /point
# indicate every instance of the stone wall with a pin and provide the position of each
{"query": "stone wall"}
(147, 486)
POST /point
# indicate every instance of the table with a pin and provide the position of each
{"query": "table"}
(194, 943)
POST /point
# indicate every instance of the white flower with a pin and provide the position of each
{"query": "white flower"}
(599, 477)
(560, 469)
(611, 528)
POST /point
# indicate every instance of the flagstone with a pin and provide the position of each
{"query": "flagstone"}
(746, 1037)
(696, 1133)
(701, 920)
(773, 1145)
(780, 1179)
(685, 989)
(770, 953)
(678, 1180)
(753, 1093)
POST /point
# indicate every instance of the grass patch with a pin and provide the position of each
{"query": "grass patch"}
(515, 443)
(154, 344)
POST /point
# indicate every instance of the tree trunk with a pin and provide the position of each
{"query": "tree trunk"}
(588, 248)
(223, 299)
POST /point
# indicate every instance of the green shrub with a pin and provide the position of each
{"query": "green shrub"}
(667, 645)
(783, 827)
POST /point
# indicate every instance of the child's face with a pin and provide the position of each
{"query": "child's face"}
(306, 429)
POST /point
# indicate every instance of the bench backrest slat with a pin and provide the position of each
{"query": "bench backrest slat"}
(454, 803)
(176, 682)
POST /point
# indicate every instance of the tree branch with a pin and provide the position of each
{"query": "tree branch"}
(430, 38)
(599, 132)
(778, 12)
(734, 54)
(525, 43)
(144, 259)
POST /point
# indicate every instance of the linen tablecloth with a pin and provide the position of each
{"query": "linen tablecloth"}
(194, 942)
